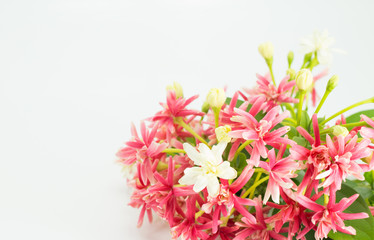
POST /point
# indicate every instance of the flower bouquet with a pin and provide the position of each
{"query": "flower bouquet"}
(261, 164)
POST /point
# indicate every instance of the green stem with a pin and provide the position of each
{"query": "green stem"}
(190, 130)
(216, 116)
(256, 180)
(173, 150)
(254, 186)
(272, 74)
(322, 101)
(246, 143)
(269, 62)
(199, 214)
(300, 106)
(370, 100)
(348, 125)
(290, 108)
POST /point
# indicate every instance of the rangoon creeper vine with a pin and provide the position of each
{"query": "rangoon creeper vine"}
(257, 165)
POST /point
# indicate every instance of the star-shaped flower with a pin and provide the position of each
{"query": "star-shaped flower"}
(210, 168)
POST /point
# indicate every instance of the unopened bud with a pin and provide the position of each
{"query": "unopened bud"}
(292, 73)
(304, 79)
(205, 107)
(266, 50)
(222, 133)
(308, 57)
(177, 88)
(290, 57)
(216, 97)
(332, 83)
(339, 130)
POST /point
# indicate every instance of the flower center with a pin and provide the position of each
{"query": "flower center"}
(263, 127)
(319, 157)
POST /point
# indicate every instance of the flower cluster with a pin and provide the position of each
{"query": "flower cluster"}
(255, 166)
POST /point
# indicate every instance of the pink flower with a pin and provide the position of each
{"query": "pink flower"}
(258, 230)
(260, 131)
(142, 150)
(188, 228)
(344, 152)
(365, 131)
(168, 197)
(274, 95)
(226, 199)
(174, 107)
(290, 213)
(317, 158)
(331, 216)
(280, 173)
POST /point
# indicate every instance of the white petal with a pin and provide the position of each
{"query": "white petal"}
(204, 149)
(275, 194)
(324, 174)
(190, 176)
(192, 153)
(218, 150)
(267, 196)
(225, 171)
(213, 185)
(201, 183)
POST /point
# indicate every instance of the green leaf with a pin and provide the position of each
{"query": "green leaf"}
(305, 120)
(292, 133)
(239, 163)
(369, 178)
(356, 117)
(238, 102)
(300, 141)
(364, 227)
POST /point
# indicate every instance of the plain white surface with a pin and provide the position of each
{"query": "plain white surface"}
(75, 73)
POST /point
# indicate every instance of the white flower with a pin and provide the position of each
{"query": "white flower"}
(210, 167)
(319, 42)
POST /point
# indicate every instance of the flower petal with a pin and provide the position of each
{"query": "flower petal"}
(225, 171)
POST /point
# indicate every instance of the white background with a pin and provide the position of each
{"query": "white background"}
(75, 73)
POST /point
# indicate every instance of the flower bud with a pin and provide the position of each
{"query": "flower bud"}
(308, 57)
(205, 107)
(216, 97)
(304, 79)
(290, 57)
(266, 50)
(339, 130)
(222, 133)
(292, 73)
(177, 88)
(332, 83)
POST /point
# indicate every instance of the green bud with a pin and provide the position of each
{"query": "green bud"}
(266, 50)
(307, 57)
(292, 73)
(290, 57)
(205, 108)
(332, 83)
